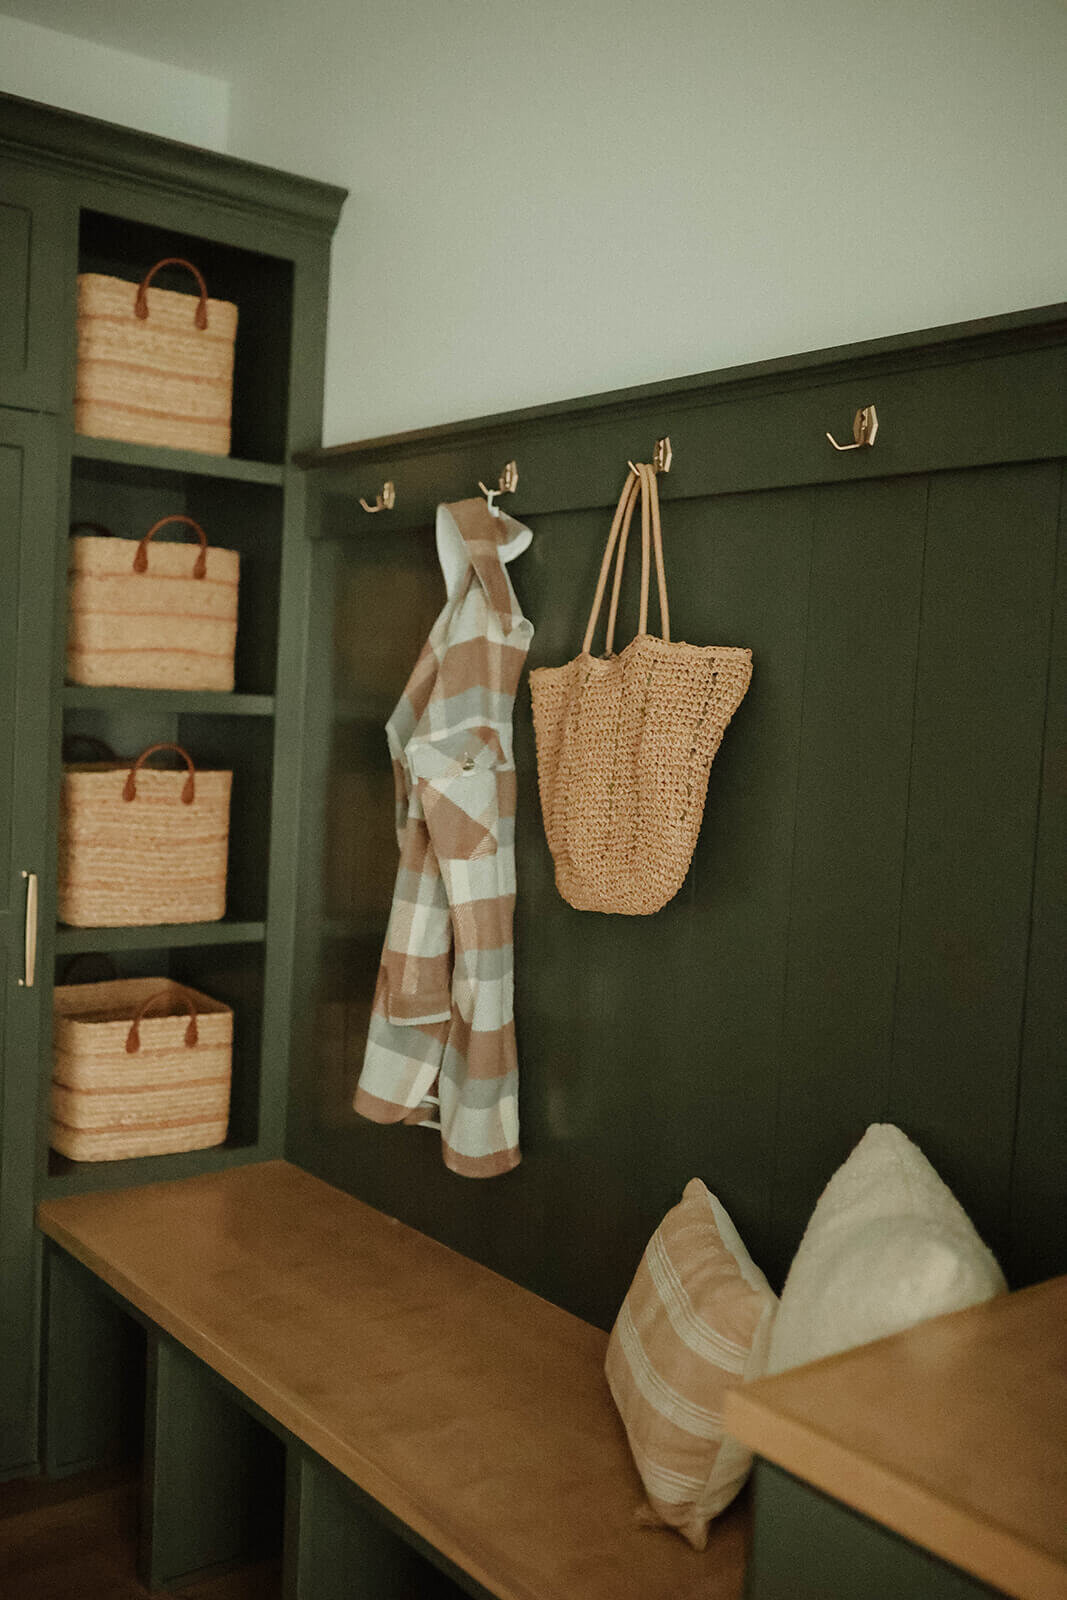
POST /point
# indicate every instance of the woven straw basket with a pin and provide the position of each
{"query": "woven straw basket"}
(154, 366)
(168, 621)
(625, 742)
(125, 1083)
(140, 847)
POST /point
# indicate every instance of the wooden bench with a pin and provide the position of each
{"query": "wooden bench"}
(471, 1416)
(953, 1435)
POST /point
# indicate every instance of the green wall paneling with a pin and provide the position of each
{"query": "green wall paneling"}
(972, 819)
(806, 1546)
(1039, 1194)
(872, 815)
(93, 1377)
(213, 1484)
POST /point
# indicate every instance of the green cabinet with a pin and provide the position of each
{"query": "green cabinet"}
(28, 498)
(80, 196)
(36, 252)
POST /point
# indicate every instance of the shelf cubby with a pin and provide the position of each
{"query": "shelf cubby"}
(260, 285)
(187, 463)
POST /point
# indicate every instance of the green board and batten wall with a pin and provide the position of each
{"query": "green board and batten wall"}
(872, 925)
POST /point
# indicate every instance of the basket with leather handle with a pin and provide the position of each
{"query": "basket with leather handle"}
(141, 1067)
(625, 742)
(155, 366)
(139, 846)
(163, 617)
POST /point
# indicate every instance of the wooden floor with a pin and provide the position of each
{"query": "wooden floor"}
(76, 1539)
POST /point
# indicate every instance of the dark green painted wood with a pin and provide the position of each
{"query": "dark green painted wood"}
(796, 989)
(806, 1546)
(180, 935)
(27, 526)
(36, 252)
(86, 145)
(189, 463)
(174, 702)
(961, 403)
(212, 1482)
(972, 818)
(79, 195)
(1039, 1172)
(850, 815)
(338, 1549)
(93, 1373)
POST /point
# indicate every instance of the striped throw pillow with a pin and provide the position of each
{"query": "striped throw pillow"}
(695, 1322)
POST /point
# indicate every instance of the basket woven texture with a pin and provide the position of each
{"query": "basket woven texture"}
(154, 366)
(142, 847)
(625, 742)
(162, 621)
(126, 1083)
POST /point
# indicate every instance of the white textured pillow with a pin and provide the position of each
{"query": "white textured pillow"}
(887, 1246)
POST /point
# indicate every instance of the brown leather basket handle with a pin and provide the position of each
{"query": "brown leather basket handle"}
(140, 560)
(129, 791)
(96, 527)
(140, 305)
(133, 1038)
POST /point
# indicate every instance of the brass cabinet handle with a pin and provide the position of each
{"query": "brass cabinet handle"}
(30, 957)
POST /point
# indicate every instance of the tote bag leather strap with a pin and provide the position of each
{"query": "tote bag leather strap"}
(640, 483)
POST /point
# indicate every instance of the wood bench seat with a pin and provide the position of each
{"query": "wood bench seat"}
(473, 1411)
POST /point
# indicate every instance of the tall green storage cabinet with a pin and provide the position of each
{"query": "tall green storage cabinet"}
(75, 196)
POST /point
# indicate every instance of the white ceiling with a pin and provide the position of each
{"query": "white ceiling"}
(210, 36)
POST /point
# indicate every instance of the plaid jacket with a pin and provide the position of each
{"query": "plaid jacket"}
(442, 1029)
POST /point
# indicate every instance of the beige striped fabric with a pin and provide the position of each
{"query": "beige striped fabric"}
(158, 628)
(695, 1323)
(441, 1045)
(167, 1094)
(160, 380)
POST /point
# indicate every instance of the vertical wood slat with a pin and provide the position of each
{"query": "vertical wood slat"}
(851, 809)
(1039, 1170)
(979, 716)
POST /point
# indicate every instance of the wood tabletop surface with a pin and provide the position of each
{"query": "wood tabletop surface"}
(472, 1409)
(953, 1434)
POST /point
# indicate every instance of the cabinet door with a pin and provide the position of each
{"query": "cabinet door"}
(27, 562)
(37, 270)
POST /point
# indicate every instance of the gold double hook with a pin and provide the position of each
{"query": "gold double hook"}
(507, 483)
(662, 456)
(384, 501)
(864, 430)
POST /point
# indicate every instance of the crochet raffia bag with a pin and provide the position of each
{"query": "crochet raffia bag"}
(625, 742)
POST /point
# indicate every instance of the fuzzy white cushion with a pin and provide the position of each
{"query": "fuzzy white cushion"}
(887, 1246)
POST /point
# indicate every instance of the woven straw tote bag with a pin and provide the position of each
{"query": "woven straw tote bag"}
(165, 621)
(140, 847)
(625, 742)
(128, 1084)
(154, 366)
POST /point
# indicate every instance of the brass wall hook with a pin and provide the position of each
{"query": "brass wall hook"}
(662, 456)
(385, 501)
(507, 483)
(864, 430)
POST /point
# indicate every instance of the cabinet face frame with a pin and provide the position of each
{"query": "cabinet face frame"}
(27, 528)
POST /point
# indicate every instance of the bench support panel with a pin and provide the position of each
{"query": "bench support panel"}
(806, 1546)
(212, 1482)
(336, 1548)
(93, 1373)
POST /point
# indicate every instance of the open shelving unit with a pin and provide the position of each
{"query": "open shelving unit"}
(244, 502)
